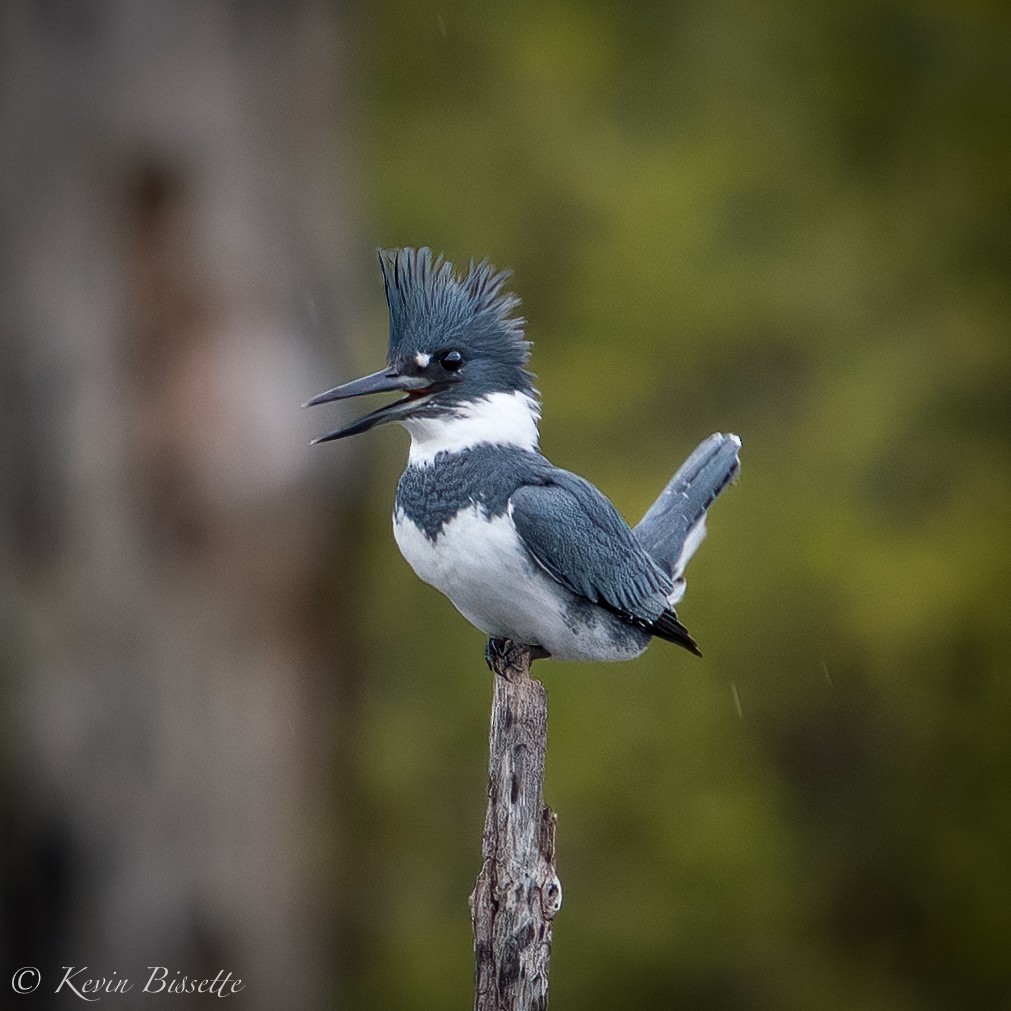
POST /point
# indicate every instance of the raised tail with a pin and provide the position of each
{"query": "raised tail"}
(675, 523)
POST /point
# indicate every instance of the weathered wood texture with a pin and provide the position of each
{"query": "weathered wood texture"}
(517, 892)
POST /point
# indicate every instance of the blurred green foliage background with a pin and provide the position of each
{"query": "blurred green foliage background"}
(789, 221)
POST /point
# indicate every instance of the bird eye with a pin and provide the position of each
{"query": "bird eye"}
(451, 361)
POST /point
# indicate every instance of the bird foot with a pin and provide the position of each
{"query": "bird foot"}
(501, 653)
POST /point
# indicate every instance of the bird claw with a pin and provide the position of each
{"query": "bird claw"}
(499, 653)
(496, 652)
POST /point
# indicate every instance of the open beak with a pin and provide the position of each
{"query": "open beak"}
(417, 389)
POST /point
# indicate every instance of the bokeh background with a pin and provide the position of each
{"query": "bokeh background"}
(238, 733)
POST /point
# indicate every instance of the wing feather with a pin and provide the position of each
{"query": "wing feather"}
(577, 536)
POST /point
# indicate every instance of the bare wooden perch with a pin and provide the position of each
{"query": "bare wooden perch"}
(517, 892)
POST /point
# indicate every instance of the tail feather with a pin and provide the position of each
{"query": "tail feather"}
(675, 524)
(668, 627)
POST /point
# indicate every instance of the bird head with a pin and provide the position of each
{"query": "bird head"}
(455, 345)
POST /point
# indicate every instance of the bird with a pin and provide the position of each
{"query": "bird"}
(531, 554)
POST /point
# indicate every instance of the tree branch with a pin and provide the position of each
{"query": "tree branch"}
(517, 892)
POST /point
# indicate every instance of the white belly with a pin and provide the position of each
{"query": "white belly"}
(487, 573)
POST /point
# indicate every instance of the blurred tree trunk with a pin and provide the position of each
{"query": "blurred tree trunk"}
(170, 212)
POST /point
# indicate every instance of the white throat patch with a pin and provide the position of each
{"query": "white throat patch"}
(503, 419)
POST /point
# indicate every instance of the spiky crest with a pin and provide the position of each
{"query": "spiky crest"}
(432, 307)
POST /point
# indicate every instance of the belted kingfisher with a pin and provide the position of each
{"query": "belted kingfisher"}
(526, 551)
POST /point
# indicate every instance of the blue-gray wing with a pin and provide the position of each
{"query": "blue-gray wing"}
(574, 533)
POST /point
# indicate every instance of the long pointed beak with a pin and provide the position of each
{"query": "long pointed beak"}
(384, 381)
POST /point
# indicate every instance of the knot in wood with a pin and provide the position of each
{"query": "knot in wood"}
(551, 896)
